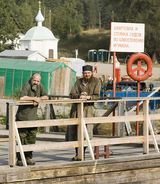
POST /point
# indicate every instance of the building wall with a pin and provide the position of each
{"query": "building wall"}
(41, 45)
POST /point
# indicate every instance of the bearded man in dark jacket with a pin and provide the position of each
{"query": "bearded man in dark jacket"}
(88, 88)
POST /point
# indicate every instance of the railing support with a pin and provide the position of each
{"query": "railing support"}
(12, 151)
(80, 132)
(145, 127)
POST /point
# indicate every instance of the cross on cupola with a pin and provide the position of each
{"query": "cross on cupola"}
(39, 2)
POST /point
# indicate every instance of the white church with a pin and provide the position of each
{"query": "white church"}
(39, 44)
(39, 39)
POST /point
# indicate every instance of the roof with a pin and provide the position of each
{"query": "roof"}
(19, 53)
(75, 59)
(31, 65)
(39, 33)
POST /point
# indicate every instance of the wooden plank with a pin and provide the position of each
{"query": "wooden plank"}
(2, 86)
(145, 127)
(73, 144)
(44, 123)
(48, 146)
(157, 138)
(114, 141)
(80, 132)
(113, 119)
(53, 82)
(23, 102)
(139, 171)
(47, 116)
(82, 100)
(67, 81)
(58, 81)
(154, 116)
(87, 140)
(4, 140)
(121, 125)
(63, 80)
(20, 146)
(12, 155)
(74, 121)
(152, 135)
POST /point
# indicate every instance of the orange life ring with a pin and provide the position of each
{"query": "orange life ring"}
(147, 73)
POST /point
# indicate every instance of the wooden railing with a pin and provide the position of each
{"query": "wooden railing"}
(82, 131)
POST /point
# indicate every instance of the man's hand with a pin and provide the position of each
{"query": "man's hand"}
(37, 100)
(84, 94)
(35, 103)
(85, 97)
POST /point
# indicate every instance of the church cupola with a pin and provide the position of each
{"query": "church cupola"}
(39, 18)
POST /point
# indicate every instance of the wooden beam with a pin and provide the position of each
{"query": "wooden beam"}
(80, 132)
(4, 140)
(20, 146)
(87, 140)
(113, 119)
(145, 127)
(73, 144)
(47, 116)
(154, 116)
(48, 146)
(12, 155)
(44, 123)
(82, 100)
(74, 121)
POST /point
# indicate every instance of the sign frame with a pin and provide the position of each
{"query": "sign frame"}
(127, 37)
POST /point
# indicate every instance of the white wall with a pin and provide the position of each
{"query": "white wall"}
(41, 45)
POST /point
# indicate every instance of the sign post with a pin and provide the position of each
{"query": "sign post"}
(126, 37)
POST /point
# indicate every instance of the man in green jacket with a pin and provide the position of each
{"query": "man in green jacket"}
(34, 91)
(88, 88)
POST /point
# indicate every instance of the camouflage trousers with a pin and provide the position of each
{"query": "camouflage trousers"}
(27, 136)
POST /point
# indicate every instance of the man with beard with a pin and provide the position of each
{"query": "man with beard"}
(34, 91)
(88, 88)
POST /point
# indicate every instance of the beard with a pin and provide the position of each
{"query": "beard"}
(88, 80)
(34, 87)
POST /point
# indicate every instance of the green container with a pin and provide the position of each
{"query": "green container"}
(15, 73)
(92, 55)
(103, 55)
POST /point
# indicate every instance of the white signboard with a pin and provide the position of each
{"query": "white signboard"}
(127, 37)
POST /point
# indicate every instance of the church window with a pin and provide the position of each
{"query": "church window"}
(50, 53)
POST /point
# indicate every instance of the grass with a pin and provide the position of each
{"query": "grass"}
(2, 120)
(157, 79)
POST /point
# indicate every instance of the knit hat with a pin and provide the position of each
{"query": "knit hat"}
(87, 68)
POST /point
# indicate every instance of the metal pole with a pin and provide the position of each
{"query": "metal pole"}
(138, 91)
(114, 88)
(137, 124)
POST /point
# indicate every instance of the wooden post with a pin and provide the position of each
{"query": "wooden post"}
(80, 132)
(120, 126)
(20, 146)
(145, 127)
(87, 139)
(47, 116)
(12, 151)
